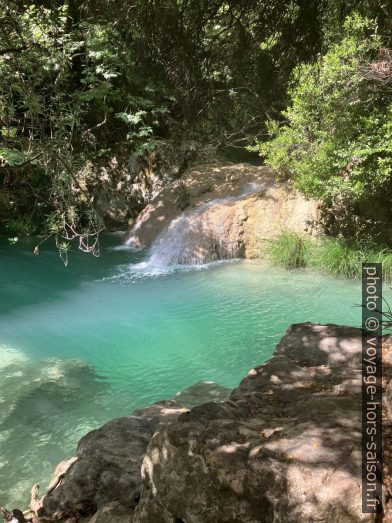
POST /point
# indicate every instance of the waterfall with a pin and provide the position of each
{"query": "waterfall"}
(187, 241)
(206, 233)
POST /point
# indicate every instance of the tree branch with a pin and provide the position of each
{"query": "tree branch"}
(10, 50)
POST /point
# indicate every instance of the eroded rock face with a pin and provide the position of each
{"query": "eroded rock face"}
(107, 468)
(103, 483)
(285, 447)
(122, 185)
(220, 211)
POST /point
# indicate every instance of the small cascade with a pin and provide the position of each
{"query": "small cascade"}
(187, 241)
(207, 233)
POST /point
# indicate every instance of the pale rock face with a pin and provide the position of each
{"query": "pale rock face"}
(220, 211)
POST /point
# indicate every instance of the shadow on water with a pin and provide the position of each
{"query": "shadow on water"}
(27, 279)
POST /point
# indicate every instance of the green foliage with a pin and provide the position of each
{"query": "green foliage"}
(65, 78)
(336, 256)
(337, 134)
(20, 226)
(11, 157)
(82, 79)
(289, 250)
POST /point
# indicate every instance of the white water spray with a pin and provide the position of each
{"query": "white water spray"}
(199, 236)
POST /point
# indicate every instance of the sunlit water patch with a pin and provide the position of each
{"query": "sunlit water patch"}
(86, 343)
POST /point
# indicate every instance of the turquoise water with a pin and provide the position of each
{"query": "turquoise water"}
(95, 340)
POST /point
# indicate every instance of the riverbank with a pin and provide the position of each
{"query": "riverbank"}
(222, 210)
(219, 210)
(286, 445)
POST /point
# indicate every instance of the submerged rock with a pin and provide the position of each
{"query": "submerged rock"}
(200, 393)
(37, 393)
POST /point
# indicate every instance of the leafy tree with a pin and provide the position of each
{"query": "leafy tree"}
(83, 79)
(336, 139)
(68, 92)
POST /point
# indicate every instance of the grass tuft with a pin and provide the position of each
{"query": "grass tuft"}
(332, 255)
(288, 250)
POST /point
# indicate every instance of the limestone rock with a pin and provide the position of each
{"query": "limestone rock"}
(285, 447)
(107, 468)
(220, 210)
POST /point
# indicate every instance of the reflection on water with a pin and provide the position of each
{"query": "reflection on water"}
(86, 343)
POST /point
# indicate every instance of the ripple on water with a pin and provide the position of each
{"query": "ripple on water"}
(135, 271)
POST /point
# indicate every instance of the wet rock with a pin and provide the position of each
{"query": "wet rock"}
(220, 210)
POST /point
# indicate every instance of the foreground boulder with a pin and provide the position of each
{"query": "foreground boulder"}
(102, 484)
(286, 446)
(105, 478)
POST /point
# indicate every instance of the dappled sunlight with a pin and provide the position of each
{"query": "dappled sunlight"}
(198, 189)
(187, 189)
(241, 319)
(289, 437)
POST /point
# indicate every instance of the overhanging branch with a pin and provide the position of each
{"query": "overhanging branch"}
(11, 50)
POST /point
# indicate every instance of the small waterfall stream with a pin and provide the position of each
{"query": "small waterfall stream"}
(201, 235)
(188, 240)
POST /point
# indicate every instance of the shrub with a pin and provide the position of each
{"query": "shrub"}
(337, 134)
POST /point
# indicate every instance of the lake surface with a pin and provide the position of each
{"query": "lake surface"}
(82, 344)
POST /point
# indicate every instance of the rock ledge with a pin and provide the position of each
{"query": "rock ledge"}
(284, 447)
